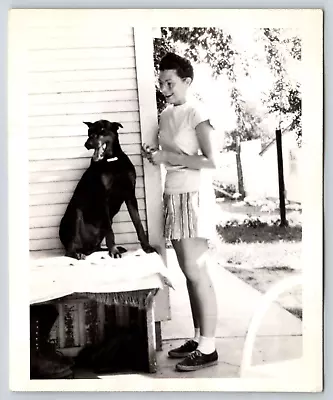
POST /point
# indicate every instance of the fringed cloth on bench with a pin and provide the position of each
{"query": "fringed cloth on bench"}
(99, 276)
(136, 298)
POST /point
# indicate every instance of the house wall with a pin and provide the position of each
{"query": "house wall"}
(226, 171)
(77, 74)
(260, 172)
(294, 182)
(72, 69)
(291, 162)
(252, 167)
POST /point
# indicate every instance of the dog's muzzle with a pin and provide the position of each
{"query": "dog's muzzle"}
(88, 145)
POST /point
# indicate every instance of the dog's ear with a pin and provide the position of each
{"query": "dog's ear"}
(89, 124)
(116, 126)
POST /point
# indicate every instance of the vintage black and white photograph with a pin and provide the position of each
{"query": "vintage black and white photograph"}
(169, 210)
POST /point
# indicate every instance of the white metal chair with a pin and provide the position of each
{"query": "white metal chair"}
(283, 369)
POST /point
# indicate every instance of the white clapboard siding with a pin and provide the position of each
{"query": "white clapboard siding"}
(59, 209)
(77, 42)
(80, 108)
(77, 74)
(65, 196)
(78, 81)
(80, 54)
(96, 64)
(83, 108)
(63, 175)
(76, 163)
(75, 130)
(54, 243)
(52, 232)
(75, 141)
(85, 75)
(61, 24)
(97, 38)
(81, 60)
(80, 98)
(72, 19)
(74, 152)
(63, 187)
(82, 86)
(54, 220)
(66, 120)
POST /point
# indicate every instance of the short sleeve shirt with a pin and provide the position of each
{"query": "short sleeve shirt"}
(177, 134)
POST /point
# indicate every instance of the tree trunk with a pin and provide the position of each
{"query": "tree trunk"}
(241, 189)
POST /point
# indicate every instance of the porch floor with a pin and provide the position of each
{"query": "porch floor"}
(279, 338)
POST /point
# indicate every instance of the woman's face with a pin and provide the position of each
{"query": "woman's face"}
(173, 87)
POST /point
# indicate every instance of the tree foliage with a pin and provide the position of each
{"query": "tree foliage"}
(209, 45)
(204, 45)
(248, 128)
(215, 47)
(284, 98)
(161, 47)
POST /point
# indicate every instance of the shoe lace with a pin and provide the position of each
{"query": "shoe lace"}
(195, 354)
(186, 345)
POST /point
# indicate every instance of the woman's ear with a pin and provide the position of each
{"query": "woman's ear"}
(188, 80)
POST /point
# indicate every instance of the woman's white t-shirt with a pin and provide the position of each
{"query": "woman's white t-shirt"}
(177, 134)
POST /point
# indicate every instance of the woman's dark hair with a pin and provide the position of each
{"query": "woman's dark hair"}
(182, 66)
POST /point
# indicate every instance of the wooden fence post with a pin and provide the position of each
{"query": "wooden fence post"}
(281, 178)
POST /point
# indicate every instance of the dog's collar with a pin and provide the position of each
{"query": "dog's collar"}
(112, 159)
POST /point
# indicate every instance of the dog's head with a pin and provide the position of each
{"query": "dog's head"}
(103, 138)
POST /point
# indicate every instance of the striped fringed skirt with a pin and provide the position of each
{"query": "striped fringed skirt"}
(187, 216)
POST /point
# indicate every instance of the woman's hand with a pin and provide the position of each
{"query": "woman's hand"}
(146, 151)
(153, 155)
(159, 157)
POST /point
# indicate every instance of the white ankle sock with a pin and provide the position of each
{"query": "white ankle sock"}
(206, 344)
(196, 334)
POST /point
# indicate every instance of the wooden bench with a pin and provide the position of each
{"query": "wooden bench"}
(119, 285)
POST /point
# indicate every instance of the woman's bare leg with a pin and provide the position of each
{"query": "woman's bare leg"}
(192, 258)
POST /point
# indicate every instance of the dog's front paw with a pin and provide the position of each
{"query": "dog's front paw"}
(147, 248)
(81, 256)
(115, 252)
(76, 256)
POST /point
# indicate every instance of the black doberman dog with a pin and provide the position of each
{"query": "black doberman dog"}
(108, 182)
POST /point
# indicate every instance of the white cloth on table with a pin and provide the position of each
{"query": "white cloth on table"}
(57, 276)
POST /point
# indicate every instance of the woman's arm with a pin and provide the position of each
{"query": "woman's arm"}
(208, 159)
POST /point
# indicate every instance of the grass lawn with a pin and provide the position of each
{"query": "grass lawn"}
(263, 253)
(254, 255)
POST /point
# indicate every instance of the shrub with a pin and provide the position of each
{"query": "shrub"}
(229, 188)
